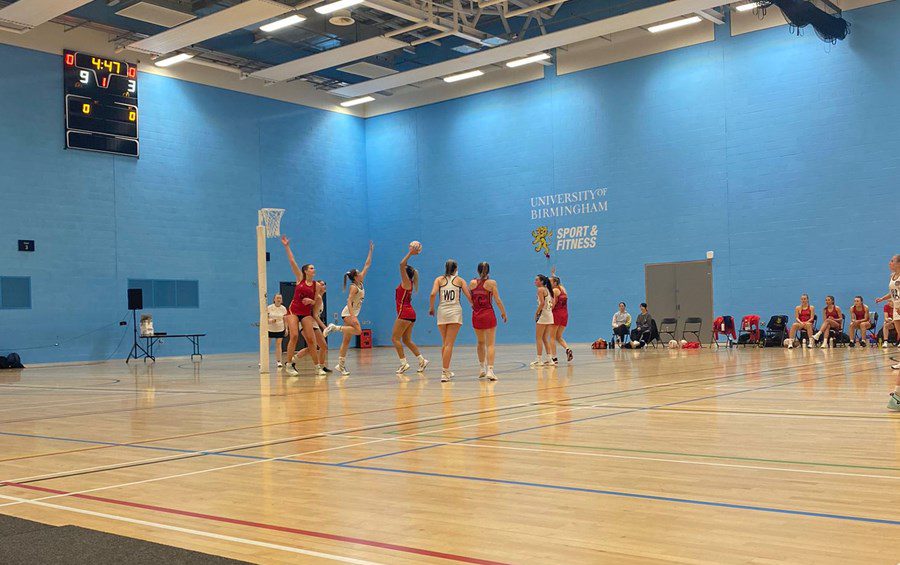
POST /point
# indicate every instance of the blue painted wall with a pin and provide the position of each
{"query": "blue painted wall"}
(185, 210)
(779, 153)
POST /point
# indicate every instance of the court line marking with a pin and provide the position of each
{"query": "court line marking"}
(258, 525)
(632, 457)
(865, 416)
(197, 532)
(599, 416)
(46, 405)
(196, 453)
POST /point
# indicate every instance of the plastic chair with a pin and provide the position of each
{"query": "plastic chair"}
(668, 326)
(692, 326)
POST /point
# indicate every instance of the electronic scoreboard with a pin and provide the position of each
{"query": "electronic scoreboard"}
(101, 104)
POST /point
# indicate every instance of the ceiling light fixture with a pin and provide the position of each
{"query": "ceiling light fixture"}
(527, 60)
(173, 60)
(746, 7)
(339, 5)
(676, 24)
(463, 76)
(357, 101)
(282, 23)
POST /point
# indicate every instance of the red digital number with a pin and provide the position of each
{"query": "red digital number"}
(132, 72)
(70, 59)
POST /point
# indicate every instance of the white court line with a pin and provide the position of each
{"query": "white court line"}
(201, 533)
(91, 401)
(865, 416)
(659, 459)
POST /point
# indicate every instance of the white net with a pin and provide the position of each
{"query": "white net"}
(271, 219)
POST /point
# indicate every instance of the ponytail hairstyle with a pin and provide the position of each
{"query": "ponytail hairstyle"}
(545, 282)
(450, 268)
(555, 280)
(861, 301)
(304, 268)
(831, 297)
(350, 276)
(484, 269)
(413, 277)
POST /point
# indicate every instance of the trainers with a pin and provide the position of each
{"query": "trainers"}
(884, 345)
(279, 364)
(291, 370)
(536, 363)
(791, 344)
(403, 368)
(863, 343)
(551, 362)
(569, 355)
(326, 369)
(340, 368)
(422, 364)
(482, 373)
(446, 376)
(824, 344)
(894, 402)
(896, 367)
(490, 374)
(320, 371)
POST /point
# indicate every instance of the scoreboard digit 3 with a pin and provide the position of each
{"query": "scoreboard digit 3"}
(101, 104)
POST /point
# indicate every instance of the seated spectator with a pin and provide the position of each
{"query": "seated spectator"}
(888, 324)
(621, 323)
(859, 321)
(803, 320)
(643, 326)
(832, 321)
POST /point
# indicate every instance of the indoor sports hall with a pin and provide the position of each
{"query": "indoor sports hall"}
(486, 282)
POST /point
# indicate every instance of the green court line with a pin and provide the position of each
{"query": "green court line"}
(654, 452)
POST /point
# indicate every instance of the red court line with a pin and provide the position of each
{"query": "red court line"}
(262, 526)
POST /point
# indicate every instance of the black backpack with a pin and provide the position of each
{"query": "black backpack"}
(11, 361)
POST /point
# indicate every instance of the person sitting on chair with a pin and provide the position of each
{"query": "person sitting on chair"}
(803, 320)
(621, 323)
(643, 325)
(833, 320)
(888, 324)
(859, 321)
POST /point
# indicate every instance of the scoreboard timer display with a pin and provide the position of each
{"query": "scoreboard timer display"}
(101, 104)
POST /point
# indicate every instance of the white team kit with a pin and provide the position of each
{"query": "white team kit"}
(449, 310)
(546, 316)
(894, 291)
(356, 302)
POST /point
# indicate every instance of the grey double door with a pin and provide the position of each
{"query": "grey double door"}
(680, 290)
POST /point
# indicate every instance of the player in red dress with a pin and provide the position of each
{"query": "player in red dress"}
(406, 314)
(560, 314)
(300, 313)
(483, 290)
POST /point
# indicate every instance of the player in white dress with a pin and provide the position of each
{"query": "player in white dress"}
(543, 319)
(350, 313)
(449, 313)
(894, 296)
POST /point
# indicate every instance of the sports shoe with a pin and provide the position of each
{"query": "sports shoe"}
(326, 369)
(446, 376)
(536, 363)
(482, 372)
(896, 367)
(422, 364)
(824, 344)
(291, 370)
(340, 368)
(791, 344)
(863, 343)
(569, 355)
(403, 368)
(490, 374)
(816, 336)
(884, 345)
(552, 362)
(320, 371)
(894, 402)
(328, 329)
(279, 364)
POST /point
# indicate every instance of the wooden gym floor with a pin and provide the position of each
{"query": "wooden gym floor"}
(728, 456)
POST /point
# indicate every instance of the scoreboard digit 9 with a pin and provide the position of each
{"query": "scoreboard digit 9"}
(101, 104)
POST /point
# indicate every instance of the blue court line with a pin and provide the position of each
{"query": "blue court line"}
(511, 482)
(576, 420)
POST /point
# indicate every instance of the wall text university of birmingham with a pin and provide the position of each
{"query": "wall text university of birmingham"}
(568, 204)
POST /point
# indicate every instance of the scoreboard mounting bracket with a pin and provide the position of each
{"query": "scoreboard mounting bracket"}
(101, 104)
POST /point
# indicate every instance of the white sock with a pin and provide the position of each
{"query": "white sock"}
(421, 358)
(403, 360)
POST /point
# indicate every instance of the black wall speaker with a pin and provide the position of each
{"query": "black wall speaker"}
(135, 299)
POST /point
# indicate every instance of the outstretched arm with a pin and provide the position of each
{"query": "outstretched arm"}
(404, 278)
(290, 255)
(882, 298)
(365, 269)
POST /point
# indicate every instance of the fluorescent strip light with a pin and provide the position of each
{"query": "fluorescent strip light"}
(463, 76)
(339, 5)
(282, 23)
(173, 60)
(357, 101)
(527, 60)
(746, 7)
(676, 24)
